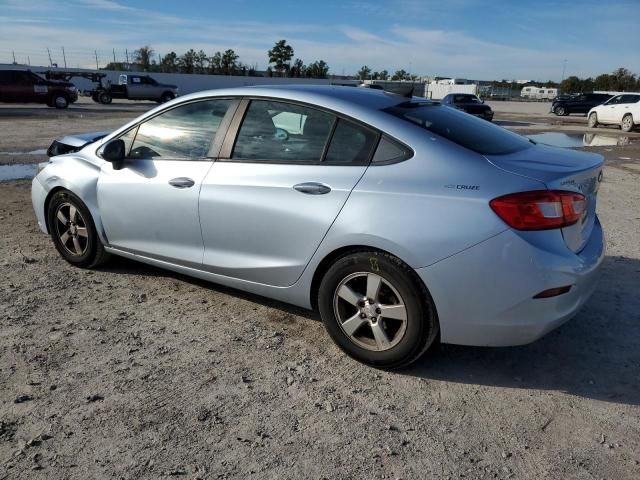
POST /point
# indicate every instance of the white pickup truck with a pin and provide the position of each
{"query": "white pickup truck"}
(135, 87)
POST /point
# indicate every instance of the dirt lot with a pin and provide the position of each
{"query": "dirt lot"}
(133, 372)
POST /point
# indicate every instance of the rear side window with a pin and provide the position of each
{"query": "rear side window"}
(351, 144)
(182, 133)
(282, 132)
(473, 133)
(390, 151)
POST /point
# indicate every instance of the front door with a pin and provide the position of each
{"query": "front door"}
(151, 205)
(265, 209)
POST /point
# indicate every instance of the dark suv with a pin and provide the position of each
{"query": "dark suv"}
(579, 103)
(468, 103)
(24, 86)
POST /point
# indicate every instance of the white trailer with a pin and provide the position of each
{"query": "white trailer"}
(538, 93)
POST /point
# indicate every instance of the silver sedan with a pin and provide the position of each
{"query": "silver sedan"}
(402, 221)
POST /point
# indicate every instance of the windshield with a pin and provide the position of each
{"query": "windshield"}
(465, 130)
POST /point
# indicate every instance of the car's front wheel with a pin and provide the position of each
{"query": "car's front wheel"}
(377, 310)
(592, 122)
(73, 231)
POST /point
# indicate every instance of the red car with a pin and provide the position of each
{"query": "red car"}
(24, 86)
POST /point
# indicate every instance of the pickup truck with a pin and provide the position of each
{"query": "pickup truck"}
(135, 87)
(24, 86)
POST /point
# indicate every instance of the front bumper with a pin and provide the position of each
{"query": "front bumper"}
(484, 295)
(38, 197)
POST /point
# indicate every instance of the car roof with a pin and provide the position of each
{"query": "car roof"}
(334, 97)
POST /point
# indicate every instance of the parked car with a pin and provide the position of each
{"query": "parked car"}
(623, 110)
(468, 103)
(401, 220)
(135, 87)
(580, 103)
(24, 86)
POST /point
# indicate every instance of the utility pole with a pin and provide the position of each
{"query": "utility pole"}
(14, 57)
(64, 58)
(49, 53)
(564, 67)
(96, 53)
(126, 52)
(28, 61)
(114, 55)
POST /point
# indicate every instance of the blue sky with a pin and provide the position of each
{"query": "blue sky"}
(485, 39)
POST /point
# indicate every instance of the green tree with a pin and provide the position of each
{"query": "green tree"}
(215, 64)
(297, 68)
(364, 73)
(401, 75)
(383, 75)
(318, 69)
(169, 63)
(143, 56)
(571, 84)
(201, 61)
(228, 62)
(281, 54)
(188, 61)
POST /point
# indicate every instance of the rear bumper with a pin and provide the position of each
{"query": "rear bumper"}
(484, 295)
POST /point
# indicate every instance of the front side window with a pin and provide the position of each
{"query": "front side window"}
(615, 100)
(465, 130)
(282, 132)
(182, 133)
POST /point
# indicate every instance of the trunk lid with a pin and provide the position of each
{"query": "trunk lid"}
(560, 169)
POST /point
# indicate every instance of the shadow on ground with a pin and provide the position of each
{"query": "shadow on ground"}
(595, 355)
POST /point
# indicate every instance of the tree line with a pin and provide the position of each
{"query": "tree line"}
(621, 80)
(224, 63)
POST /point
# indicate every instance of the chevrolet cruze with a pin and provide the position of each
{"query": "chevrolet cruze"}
(402, 221)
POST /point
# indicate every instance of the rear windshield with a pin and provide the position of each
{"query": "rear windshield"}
(465, 130)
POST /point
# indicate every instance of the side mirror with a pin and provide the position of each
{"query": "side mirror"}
(114, 152)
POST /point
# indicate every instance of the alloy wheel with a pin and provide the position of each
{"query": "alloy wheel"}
(71, 229)
(370, 311)
(627, 123)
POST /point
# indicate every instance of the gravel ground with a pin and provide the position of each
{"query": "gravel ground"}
(133, 372)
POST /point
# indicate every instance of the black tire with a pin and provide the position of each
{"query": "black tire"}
(92, 252)
(627, 123)
(59, 100)
(592, 121)
(420, 326)
(105, 98)
(561, 111)
(166, 97)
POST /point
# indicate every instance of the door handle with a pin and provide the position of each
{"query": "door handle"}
(182, 182)
(312, 188)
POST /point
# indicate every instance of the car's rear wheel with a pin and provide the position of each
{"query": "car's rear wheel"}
(377, 310)
(561, 111)
(73, 231)
(105, 98)
(592, 122)
(627, 123)
(59, 101)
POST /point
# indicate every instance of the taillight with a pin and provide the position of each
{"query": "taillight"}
(540, 209)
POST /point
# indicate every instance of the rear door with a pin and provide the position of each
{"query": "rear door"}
(607, 113)
(135, 88)
(266, 204)
(626, 106)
